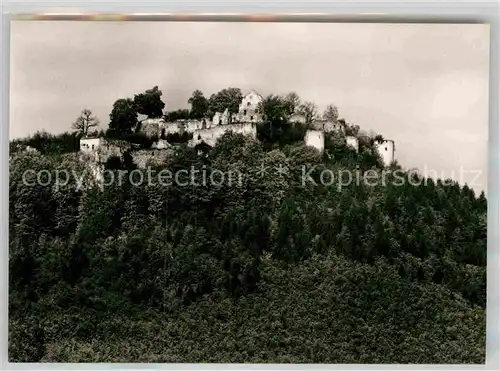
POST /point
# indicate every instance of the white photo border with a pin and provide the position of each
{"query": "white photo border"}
(436, 11)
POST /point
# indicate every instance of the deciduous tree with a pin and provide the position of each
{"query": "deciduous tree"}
(199, 105)
(123, 117)
(309, 110)
(85, 122)
(229, 98)
(149, 103)
(331, 113)
(292, 102)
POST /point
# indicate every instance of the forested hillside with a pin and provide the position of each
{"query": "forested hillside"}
(272, 269)
(275, 263)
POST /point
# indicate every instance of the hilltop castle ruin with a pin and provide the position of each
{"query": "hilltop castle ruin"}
(209, 130)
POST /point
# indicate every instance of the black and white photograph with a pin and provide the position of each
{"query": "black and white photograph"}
(247, 192)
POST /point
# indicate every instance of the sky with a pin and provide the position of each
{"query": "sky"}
(425, 86)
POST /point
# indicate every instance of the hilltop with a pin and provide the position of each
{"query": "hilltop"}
(272, 268)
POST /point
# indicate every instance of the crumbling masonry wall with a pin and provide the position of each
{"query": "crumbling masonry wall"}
(316, 139)
(210, 136)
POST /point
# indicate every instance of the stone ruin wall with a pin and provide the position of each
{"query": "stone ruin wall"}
(210, 136)
(316, 139)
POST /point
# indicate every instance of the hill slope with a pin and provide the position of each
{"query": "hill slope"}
(267, 265)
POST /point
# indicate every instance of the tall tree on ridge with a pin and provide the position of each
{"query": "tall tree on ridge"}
(84, 122)
(292, 102)
(149, 103)
(331, 113)
(123, 117)
(309, 110)
(199, 105)
(229, 98)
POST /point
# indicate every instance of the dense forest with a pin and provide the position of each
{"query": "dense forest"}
(272, 269)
